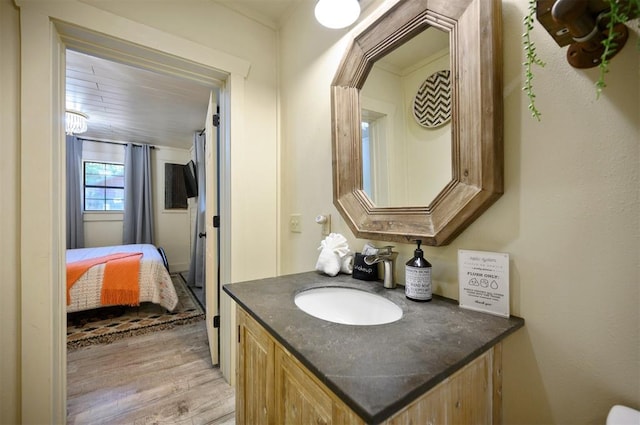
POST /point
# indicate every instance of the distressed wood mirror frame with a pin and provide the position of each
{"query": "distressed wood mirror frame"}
(475, 33)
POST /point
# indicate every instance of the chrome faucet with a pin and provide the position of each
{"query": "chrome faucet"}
(386, 256)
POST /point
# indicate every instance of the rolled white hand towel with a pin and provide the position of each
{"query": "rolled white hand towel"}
(346, 266)
(332, 250)
(328, 262)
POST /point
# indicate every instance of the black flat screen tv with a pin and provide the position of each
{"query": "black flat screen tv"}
(190, 179)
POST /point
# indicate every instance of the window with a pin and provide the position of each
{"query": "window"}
(375, 178)
(103, 186)
(366, 158)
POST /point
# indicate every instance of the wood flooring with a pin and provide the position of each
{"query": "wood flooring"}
(163, 377)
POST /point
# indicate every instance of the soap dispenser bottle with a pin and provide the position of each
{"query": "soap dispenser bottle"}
(418, 277)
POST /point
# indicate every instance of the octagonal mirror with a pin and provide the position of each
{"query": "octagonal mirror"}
(469, 160)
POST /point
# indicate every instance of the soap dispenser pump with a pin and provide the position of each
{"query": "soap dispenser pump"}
(418, 277)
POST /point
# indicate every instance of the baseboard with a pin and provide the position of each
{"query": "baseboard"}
(178, 267)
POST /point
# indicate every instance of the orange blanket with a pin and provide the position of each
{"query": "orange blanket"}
(120, 283)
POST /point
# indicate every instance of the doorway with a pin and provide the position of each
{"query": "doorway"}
(45, 32)
(120, 96)
(129, 104)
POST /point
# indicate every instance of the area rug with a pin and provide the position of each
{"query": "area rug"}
(104, 325)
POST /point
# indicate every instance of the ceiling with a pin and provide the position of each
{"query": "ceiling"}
(418, 49)
(126, 103)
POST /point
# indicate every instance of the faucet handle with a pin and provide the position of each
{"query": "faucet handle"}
(386, 250)
(384, 254)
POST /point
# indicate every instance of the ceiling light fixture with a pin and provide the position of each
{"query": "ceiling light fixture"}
(337, 14)
(75, 122)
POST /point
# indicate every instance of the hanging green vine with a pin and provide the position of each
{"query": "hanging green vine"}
(617, 14)
(531, 59)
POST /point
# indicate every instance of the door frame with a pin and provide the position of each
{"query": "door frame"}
(46, 29)
(212, 242)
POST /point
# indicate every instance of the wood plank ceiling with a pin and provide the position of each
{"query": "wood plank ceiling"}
(125, 103)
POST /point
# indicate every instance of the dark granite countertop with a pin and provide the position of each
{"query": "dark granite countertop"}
(375, 370)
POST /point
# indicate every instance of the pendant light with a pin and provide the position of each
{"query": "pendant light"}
(75, 122)
(337, 14)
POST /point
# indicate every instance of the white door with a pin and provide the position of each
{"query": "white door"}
(211, 209)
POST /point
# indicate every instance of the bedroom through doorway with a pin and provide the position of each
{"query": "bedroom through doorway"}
(127, 103)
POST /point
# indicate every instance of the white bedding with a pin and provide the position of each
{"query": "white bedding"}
(155, 283)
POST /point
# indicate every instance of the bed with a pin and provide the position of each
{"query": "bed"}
(155, 283)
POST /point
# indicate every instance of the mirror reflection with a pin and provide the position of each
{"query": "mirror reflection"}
(404, 146)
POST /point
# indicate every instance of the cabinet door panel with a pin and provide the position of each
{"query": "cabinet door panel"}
(428, 410)
(298, 399)
(255, 374)
(470, 393)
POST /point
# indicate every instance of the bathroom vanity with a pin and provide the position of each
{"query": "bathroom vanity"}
(438, 363)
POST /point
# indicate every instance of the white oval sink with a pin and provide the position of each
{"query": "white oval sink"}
(348, 306)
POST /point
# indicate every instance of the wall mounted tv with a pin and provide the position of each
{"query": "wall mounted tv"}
(190, 179)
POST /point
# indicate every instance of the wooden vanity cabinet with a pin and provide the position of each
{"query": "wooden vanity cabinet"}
(273, 387)
(302, 399)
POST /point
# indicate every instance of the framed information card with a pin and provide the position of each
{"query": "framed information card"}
(484, 281)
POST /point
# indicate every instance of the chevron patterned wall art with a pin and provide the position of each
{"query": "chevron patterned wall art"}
(432, 104)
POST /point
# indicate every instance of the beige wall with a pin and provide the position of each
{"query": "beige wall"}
(9, 214)
(172, 227)
(569, 217)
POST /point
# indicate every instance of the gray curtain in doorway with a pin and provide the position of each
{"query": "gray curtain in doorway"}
(198, 251)
(75, 222)
(138, 201)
